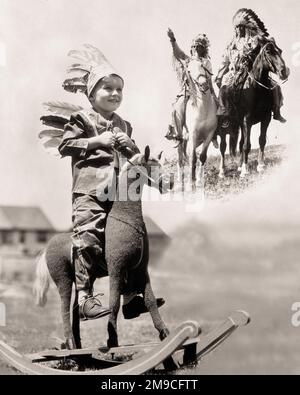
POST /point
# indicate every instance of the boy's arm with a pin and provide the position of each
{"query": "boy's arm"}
(126, 143)
(76, 143)
(134, 147)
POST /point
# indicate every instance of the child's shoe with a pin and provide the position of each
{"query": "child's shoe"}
(90, 308)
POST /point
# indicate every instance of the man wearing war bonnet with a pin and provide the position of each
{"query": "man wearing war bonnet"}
(193, 69)
(250, 36)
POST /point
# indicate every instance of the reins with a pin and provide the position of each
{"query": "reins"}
(265, 86)
(193, 85)
(131, 163)
(250, 74)
(141, 172)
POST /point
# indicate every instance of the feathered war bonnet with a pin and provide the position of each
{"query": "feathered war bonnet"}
(84, 75)
(201, 40)
(248, 18)
(91, 68)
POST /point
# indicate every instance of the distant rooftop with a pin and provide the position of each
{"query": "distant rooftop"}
(24, 218)
(33, 218)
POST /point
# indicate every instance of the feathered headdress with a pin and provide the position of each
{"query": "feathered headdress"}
(90, 69)
(248, 18)
(201, 39)
(54, 120)
(179, 66)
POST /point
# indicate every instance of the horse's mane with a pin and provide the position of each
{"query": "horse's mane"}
(258, 61)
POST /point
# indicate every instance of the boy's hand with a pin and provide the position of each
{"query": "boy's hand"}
(106, 139)
(124, 140)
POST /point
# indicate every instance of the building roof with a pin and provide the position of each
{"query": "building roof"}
(152, 228)
(24, 218)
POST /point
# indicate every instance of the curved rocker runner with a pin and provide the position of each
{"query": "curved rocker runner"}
(183, 347)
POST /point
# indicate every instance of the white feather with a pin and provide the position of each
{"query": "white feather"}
(51, 133)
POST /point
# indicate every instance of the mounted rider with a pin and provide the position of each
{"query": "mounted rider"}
(250, 36)
(194, 72)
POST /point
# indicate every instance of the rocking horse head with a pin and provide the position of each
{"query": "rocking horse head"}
(144, 169)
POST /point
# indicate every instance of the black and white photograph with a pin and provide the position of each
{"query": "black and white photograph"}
(149, 201)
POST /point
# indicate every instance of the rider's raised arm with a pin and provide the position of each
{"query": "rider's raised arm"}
(177, 52)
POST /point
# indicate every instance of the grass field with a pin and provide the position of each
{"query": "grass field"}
(232, 184)
(212, 270)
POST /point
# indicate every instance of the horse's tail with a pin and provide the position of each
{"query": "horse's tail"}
(42, 280)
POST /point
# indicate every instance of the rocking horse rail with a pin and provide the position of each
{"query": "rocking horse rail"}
(137, 366)
(184, 346)
(221, 333)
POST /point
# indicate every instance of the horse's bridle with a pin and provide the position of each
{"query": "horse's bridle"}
(149, 179)
(258, 82)
(265, 86)
(193, 91)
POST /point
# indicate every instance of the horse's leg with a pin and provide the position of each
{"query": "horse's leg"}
(65, 292)
(262, 142)
(233, 140)
(246, 128)
(182, 159)
(223, 146)
(151, 305)
(203, 157)
(76, 322)
(179, 116)
(241, 144)
(193, 166)
(114, 306)
(192, 161)
(180, 166)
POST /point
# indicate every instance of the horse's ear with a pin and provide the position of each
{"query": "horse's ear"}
(147, 153)
(160, 155)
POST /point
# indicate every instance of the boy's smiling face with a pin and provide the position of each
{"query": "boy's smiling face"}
(107, 95)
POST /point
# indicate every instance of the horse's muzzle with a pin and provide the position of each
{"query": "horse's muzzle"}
(166, 182)
(284, 73)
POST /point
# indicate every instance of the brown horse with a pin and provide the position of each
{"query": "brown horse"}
(126, 253)
(253, 104)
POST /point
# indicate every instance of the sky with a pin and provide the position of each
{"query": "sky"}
(35, 37)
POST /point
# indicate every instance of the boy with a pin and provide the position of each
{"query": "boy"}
(90, 138)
